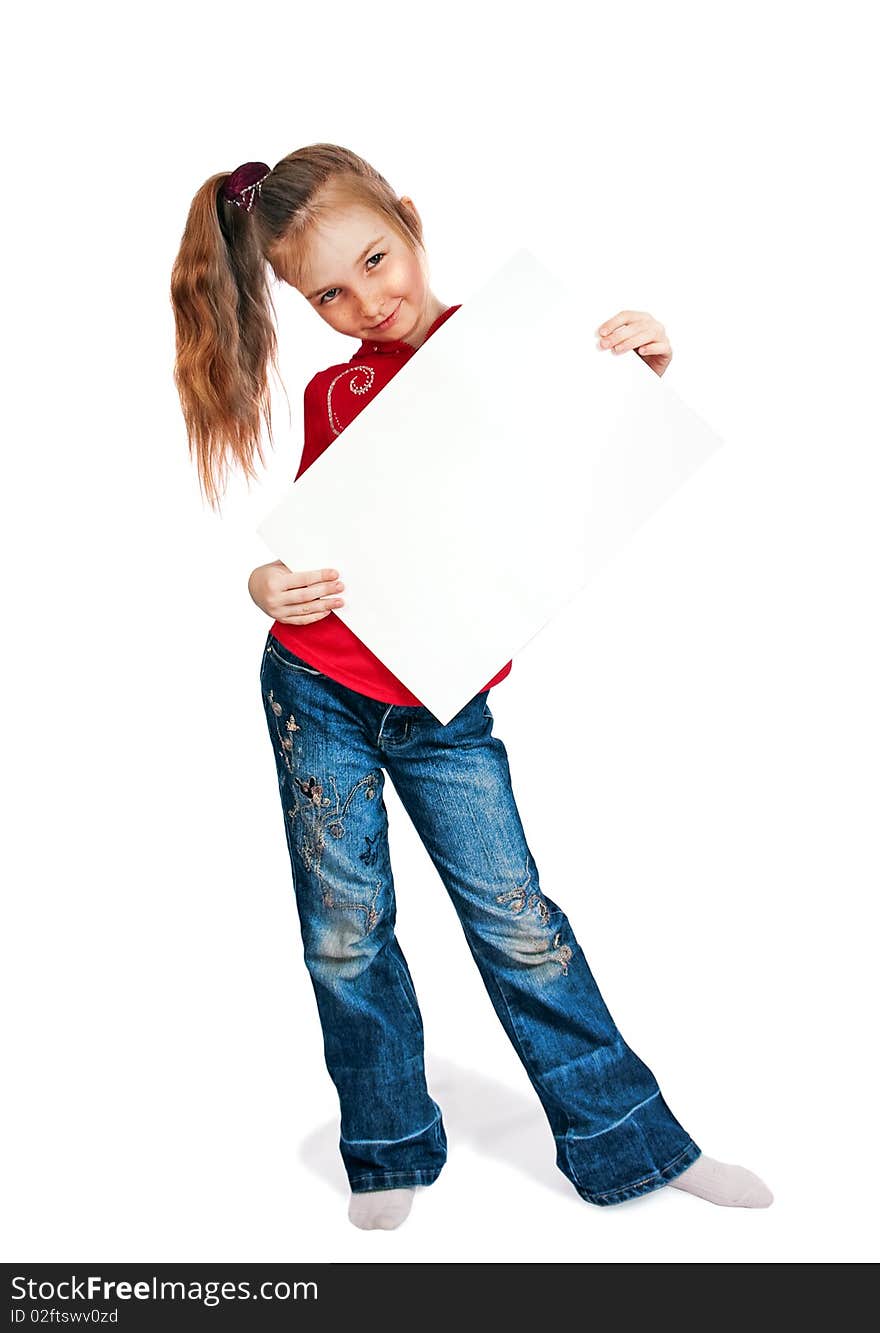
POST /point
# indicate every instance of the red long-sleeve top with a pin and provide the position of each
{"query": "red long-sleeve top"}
(332, 399)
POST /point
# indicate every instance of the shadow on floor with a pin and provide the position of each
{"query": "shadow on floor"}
(489, 1117)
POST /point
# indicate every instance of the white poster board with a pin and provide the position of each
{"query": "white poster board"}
(500, 469)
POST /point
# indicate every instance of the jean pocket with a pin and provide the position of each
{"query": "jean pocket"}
(289, 660)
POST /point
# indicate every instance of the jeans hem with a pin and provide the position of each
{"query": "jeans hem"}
(393, 1180)
(647, 1184)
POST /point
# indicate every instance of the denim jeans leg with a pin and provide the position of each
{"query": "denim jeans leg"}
(615, 1135)
(331, 784)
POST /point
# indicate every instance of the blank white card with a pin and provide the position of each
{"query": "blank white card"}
(495, 475)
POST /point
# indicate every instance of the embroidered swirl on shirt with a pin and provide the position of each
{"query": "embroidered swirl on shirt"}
(362, 388)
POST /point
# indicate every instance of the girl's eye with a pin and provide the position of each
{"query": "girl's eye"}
(380, 255)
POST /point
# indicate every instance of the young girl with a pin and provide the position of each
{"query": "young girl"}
(329, 225)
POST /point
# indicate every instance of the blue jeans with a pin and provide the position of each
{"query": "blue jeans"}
(615, 1136)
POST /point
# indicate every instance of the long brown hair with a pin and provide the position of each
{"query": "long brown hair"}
(223, 309)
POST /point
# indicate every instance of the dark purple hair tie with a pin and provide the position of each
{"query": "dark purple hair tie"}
(244, 184)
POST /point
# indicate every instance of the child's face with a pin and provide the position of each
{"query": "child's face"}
(359, 271)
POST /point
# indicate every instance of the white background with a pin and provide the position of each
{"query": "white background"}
(693, 745)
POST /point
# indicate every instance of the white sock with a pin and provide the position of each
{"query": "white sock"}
(730, 1186)
(380, 1210)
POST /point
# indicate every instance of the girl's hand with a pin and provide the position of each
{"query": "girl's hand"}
(295, 598)
(635, 330)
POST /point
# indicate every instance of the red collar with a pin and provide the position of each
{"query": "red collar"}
(398, 346)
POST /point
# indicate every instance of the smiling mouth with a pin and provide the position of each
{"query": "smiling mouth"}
(385, 322)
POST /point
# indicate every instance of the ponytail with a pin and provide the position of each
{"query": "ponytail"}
(225, 338)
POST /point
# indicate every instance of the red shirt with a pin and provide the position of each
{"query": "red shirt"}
(332, 399)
